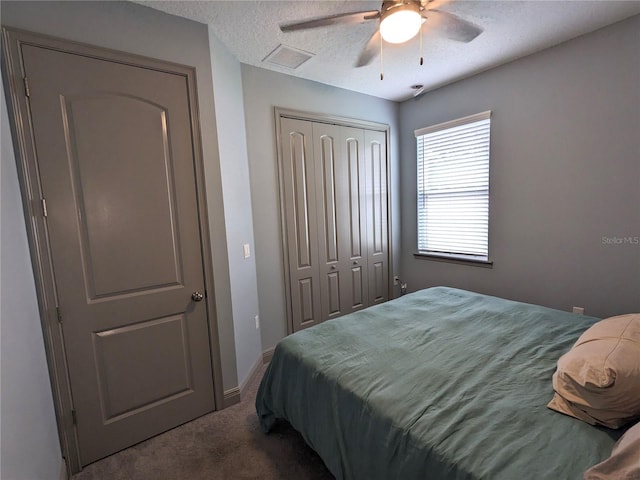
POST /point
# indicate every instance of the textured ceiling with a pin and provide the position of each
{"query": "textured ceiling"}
(512, 29)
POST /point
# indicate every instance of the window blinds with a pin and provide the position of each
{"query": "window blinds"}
(453, 187)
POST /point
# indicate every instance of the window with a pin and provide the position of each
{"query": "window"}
(453, 188)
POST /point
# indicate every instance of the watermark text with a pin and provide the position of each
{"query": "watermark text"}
(615, 240)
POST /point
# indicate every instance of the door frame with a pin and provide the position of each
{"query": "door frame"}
(280, 113)
(16, 92)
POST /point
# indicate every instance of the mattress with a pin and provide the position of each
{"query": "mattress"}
(438, 384)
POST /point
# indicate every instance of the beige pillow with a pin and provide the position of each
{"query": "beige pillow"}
(598, 380)
(624, 462)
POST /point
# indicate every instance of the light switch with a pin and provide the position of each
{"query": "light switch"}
(247, 250)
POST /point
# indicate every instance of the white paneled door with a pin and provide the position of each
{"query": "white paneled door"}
(115, 154)
(334, 197)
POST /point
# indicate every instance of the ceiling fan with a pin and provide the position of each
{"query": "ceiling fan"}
(399, 21)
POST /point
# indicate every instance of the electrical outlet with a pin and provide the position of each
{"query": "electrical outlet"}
(257, 322)
(578, 310)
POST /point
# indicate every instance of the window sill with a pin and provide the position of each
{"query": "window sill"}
(451, 258)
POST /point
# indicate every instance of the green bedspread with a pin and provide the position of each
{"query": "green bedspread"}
(438, 384)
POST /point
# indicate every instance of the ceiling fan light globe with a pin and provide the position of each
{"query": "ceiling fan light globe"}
(401, 25)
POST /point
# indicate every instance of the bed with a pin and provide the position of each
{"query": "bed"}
(438, 384)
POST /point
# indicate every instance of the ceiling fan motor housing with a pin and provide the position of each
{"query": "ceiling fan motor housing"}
(400, 21)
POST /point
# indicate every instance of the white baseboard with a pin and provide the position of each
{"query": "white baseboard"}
(255, 370)
(231, 397)
(267, 354)
(235, 394)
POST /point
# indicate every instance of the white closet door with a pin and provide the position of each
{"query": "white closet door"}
(376, 194)
(330, 194)
(354, 206)
(301, 221)
(334, 201)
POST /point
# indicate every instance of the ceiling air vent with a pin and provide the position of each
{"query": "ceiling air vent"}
(288, 57)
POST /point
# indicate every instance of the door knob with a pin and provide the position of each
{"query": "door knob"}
(333, 267)
(197, 296)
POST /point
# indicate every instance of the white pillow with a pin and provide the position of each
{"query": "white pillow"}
(624, 462)
(598, 380)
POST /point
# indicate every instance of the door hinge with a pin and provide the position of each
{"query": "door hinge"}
(59, 314)
(74, 417)
(27, 92)
(44, 207)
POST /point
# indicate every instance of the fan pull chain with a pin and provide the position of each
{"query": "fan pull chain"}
(381, 63)
(420, 33)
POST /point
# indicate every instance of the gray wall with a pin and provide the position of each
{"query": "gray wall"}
(29, 436)
(565, 172)
(264, 90)
(234, 165)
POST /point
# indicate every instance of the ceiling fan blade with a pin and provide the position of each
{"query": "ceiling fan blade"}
(370, 50)
(452, 26)
(338, 19)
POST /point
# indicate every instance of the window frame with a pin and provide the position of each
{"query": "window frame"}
(455, 257)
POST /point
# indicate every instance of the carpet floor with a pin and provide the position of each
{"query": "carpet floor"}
(223, 445)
